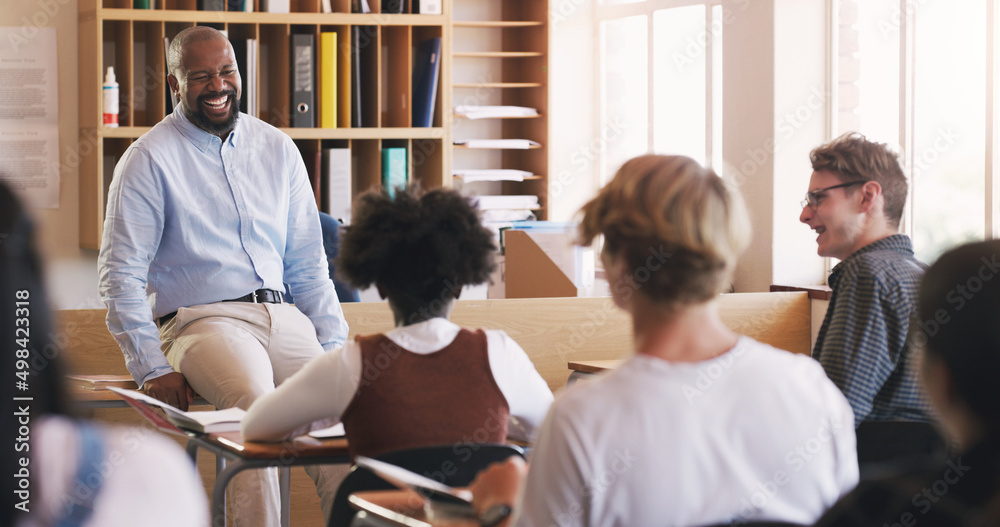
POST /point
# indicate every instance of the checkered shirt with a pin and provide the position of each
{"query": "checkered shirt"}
(863, 343)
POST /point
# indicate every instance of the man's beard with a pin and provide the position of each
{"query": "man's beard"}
(202, 121)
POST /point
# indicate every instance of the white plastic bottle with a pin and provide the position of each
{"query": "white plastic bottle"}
(110, 93)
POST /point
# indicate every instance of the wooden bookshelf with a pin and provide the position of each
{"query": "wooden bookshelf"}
(500, 57)
(113, 33)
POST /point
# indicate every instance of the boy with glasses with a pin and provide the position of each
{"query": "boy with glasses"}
(854, 203)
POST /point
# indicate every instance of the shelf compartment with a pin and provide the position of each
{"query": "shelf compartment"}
(427, 162)
(366, 45)
(486, 24)
(395, 85)
(496, 54)
(497, 85)
(274, 89)
(117, 52)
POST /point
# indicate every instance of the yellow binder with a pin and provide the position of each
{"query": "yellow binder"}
(328, 80)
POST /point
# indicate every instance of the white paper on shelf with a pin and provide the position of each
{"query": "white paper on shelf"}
(487, 112)
(507, 202)
(514, 144)
(497, 174)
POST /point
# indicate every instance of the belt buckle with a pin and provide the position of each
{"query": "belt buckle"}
(253, 296)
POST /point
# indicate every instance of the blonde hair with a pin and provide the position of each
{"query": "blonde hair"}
(852, 157)
(681, 214)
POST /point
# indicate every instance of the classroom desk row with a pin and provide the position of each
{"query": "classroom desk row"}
(234, 455)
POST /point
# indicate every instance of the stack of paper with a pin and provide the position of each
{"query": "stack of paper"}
(517, 144)
(498, 174)
(488, 112)
(507, 202)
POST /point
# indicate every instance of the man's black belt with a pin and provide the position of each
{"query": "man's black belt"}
(260, 296)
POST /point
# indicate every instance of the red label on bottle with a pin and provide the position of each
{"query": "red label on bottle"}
(110, 118)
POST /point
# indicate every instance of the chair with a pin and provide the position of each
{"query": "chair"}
(454, 464)
(331, 246)
(894, 445)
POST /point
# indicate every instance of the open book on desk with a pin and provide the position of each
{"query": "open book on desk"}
(428, 488)
(176, 421)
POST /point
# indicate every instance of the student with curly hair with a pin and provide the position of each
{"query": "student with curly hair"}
(702, 425)
(428, 381)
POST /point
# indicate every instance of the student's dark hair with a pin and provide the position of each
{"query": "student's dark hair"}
(419, 246)
(24, 313)
(959, 311)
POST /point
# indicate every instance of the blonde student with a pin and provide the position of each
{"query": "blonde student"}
(769, 438)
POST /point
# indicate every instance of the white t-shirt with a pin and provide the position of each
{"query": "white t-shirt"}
(145, 479)
(754, 434)
(324, 387)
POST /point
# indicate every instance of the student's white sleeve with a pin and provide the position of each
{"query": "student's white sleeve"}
(314, 397)
(554, 492)
(526, 392)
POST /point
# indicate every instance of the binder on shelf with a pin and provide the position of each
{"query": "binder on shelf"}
(211, 5)
(237, 5)
(393, 169)
(392, 7)
(246, 58)
(303, 78)
(327, 6)
(360, 6)
(357, 121)
(275, 6)
(428, 7)
(426, 71)
(144, 4)
(328, 80)
(337, 179)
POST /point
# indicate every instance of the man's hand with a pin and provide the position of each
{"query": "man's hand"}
(172, 389)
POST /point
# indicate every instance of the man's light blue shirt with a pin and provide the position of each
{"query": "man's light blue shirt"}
(192, 219)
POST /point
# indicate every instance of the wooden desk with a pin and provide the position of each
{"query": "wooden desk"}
(93, 399)
(392, 508)
(243, 455)
(581, 369)
(594, 366)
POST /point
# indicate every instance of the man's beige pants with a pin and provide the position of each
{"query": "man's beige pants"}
(231, 353)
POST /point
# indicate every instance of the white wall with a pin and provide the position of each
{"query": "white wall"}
(71, 271)
(774, 62)
(573, 113)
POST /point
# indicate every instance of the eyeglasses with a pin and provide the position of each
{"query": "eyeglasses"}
(813, 197)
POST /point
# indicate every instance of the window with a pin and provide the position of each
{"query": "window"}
(917, 74)
(661, 73)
